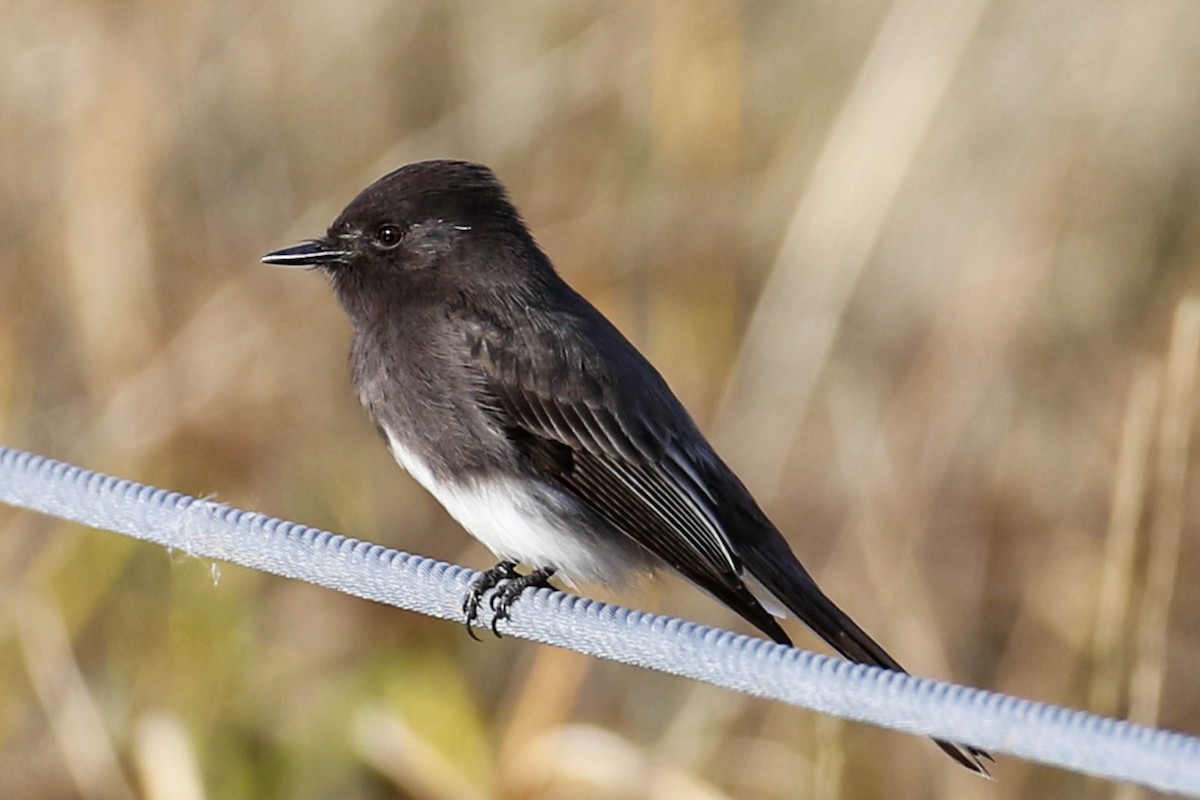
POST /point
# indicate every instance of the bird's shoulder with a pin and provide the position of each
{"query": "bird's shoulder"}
(563, 372)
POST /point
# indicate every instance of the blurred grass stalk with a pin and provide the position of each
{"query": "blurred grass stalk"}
(1152, 620)
(1110, 630)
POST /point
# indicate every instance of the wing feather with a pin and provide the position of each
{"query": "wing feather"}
(629, 469)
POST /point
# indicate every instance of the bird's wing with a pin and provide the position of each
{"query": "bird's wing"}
(621, 444)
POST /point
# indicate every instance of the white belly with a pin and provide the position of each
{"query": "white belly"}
(519, 520)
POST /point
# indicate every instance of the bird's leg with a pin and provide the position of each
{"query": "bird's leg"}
(508, 592)
(487, 580)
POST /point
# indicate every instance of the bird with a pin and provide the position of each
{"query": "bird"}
(535, 423)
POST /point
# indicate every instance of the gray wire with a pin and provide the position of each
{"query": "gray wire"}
(1002, 724)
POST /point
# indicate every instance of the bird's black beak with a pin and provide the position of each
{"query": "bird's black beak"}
(313, 253)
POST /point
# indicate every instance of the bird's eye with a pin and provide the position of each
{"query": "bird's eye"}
(388, 236)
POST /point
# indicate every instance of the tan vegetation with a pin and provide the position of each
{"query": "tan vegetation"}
(925, 271)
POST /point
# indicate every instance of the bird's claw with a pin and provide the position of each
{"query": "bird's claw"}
(509, 585)
(487, 580)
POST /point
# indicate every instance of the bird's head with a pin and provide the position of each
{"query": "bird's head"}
(403, 229)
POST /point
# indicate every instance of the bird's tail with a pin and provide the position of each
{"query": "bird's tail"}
(792, 586)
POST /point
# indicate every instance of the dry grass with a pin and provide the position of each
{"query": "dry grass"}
(926, 271)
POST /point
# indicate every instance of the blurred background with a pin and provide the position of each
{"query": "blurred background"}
(924, 270)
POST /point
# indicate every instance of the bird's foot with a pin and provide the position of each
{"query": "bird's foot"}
(508, 584)
(509, 591)
(488, 579)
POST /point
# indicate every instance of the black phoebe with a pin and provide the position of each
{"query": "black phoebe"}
(534, 422)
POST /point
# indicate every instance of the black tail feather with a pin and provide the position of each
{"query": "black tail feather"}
(788, 581)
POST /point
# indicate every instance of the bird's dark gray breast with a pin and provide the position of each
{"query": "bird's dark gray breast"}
(414, 376)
